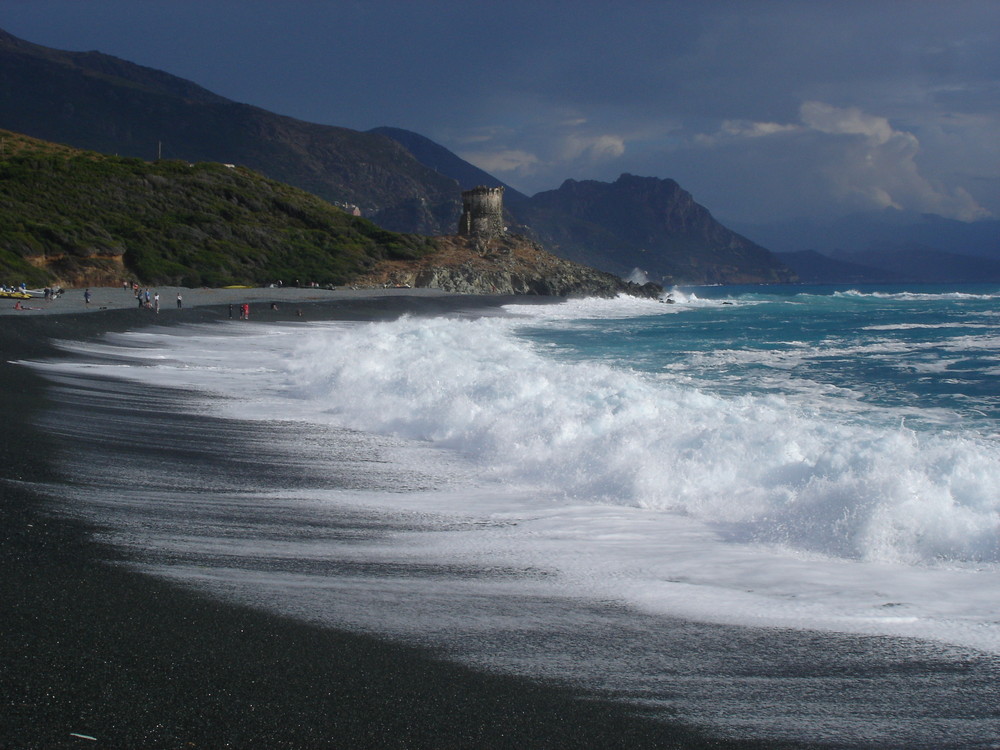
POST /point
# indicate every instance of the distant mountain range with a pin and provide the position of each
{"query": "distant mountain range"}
(815, 268)
(407, 183)
(889, 227)
(399, 179)
(886, 246)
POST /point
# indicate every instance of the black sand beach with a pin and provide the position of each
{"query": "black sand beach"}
(93, 654)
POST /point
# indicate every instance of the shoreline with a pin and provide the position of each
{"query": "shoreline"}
(73, 301)
(93, 648)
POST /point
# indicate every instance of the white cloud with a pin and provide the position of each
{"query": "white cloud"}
(505, 160)
(874, 165)
(756, 129)
(736, 129)
(861, 158)
(595, 147)
(846, 121)
(556, 143)
(482, 134)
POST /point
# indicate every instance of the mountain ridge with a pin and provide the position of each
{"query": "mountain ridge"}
(95, 101)
(861, 231)
(652, 224)
(442, 160)
(99, 102)
(644, 223)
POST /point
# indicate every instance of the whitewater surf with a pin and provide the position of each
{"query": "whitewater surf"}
(698, 508)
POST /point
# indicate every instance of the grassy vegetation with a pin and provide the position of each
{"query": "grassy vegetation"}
(68, 214)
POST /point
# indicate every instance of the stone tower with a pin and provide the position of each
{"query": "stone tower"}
(482, 212)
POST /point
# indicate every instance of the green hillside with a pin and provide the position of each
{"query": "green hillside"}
(97, 102)
(71, 217)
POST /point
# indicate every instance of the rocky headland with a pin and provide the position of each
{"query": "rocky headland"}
(509, 264)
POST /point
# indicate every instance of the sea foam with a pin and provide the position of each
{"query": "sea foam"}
(628, 485)
(601, 434)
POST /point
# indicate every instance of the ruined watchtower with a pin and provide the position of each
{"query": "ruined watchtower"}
(482, 212)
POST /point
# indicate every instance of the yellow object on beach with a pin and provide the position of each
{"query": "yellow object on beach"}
(237, 286)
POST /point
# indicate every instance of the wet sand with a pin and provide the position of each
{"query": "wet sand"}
(89, 647)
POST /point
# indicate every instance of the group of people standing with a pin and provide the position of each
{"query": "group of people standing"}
(146, 298)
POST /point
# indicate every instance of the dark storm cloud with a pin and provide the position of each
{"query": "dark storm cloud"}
(762, 109)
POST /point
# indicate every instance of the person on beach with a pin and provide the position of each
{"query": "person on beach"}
(230, 310)
(180, 301)
(245, 312)
(156, 302)
(86, 296)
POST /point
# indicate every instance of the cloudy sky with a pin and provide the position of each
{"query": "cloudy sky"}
(764, 110)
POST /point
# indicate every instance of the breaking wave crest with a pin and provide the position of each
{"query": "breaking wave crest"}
(762, 468)
(916, 296)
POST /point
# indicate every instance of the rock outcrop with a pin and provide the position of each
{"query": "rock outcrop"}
(511, 264)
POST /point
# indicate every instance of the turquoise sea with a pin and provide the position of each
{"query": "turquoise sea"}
(770, 512)
(927, 347)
